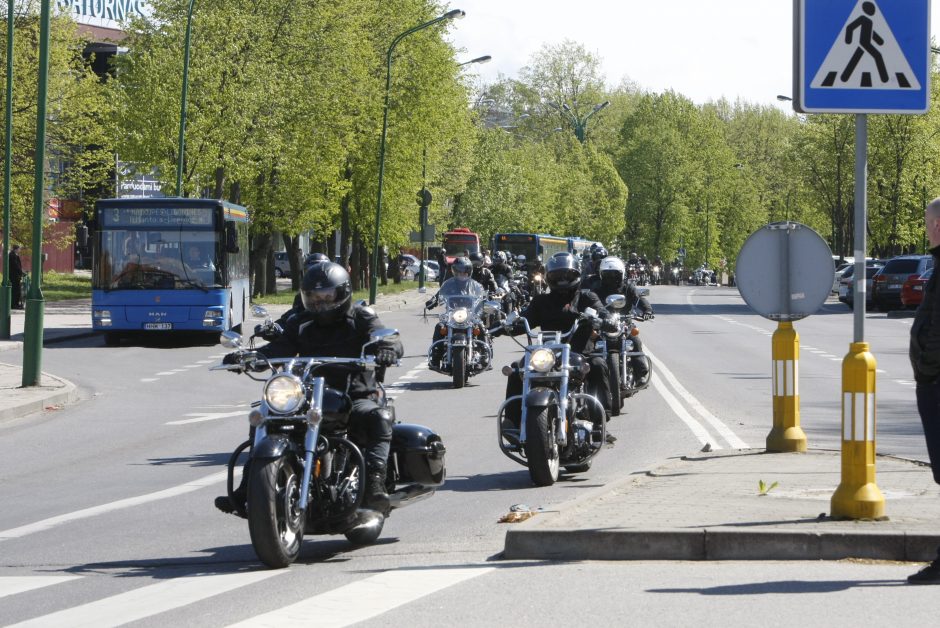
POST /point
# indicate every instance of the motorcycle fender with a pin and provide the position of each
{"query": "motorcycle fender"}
(271, 447)
(540, 398)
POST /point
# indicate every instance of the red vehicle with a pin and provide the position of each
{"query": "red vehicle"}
(912, 291)
(458, 240)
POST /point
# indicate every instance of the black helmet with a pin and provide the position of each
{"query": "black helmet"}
(563, 273)
(461, 266)
(598, 254)
(326, 292)
(477, 260)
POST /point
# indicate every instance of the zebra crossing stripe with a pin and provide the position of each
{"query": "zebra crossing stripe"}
(12, 585)
(365, 599)
(144, 602)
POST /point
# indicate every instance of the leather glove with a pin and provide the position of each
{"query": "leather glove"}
(232, 358)
(648, 316)
(430, 303)
(385, 357)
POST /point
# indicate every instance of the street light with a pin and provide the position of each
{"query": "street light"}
(783, 98)
(182, 140)
(450, 15)
(483, 59)
(6, 288)
(579, 124)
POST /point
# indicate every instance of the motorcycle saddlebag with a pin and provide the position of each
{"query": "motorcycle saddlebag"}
(419, 454)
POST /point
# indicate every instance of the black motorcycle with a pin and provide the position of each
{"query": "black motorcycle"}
(619, 349)
(464, 346)
(556, 428)
(306, 473)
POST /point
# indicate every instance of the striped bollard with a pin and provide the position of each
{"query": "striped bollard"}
(786, 435)
(858, 497)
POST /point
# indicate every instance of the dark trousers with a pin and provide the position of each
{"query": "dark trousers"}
(17, 292)
(598, 384)
(928, 404)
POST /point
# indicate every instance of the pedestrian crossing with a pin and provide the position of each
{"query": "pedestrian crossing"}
(346, 605)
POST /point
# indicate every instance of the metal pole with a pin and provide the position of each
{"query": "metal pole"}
(423, 219)
(6, 290)
(35, 305)
(182, 138)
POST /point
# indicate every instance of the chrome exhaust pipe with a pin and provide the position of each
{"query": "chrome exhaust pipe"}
(409, 494)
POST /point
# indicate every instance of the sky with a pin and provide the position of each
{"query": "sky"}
(704, 50)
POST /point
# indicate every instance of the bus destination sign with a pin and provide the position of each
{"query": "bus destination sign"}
(156, 217)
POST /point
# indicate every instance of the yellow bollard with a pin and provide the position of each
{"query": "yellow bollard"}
(786, 435)
(858, 497)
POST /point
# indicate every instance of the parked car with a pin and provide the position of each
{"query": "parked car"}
(912, 291)
(281, 264)
(886, 289)
(840, 273)
(411, 271)
(847, 284)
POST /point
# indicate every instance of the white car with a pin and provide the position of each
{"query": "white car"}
(411, 272)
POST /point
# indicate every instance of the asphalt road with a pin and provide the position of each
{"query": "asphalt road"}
(109, 515)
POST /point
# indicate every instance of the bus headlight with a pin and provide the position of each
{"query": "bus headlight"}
(102, 317)
(542, 360)
(459, 315)
(284, 393)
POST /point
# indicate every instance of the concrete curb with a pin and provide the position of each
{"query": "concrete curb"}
(63, 392)
(716, 544)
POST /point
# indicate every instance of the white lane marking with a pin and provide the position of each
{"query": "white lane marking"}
(166, 373)
(150, 379)
(51, 522)
(695, 404)
(192, 366)
(138, 604)
(201, 417)
(206, 361)
(366, 598)
(11, 585)
(697, 428)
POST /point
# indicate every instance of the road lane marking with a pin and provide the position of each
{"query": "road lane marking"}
(144, 602)
(150, 379)
(12, 585)
(365, 599)
(207, 416)
(94, 511)
(697, 428)
(722, 429)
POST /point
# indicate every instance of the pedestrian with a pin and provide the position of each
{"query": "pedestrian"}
(16, 276)
(925, 360)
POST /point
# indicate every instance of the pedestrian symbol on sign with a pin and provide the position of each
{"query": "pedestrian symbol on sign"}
(865, 55)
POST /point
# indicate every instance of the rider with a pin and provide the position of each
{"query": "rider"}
(460, 283)
(330, 325)
(557, 310)
(481, 274)
(613, 280)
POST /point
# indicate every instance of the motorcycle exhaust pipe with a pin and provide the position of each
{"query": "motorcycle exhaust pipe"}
(409, 494)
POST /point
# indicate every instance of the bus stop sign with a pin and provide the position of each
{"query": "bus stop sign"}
(784, 271)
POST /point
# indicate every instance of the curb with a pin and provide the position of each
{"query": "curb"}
(65, 393)
(716, 544)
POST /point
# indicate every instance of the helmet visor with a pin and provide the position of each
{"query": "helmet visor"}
(565, 278)
(320, 300)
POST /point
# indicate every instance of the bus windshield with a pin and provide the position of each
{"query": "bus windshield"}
(180, 258)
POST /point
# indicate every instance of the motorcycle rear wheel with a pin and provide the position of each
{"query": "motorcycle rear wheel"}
(458, 366)
(613, 368)
(541, 449)
(275, 522)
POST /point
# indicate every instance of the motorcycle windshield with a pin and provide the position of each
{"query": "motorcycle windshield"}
(471, 302)
(454, 287)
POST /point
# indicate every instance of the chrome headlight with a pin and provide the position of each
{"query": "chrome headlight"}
(542, 360)
(460, 315)
(284, 393)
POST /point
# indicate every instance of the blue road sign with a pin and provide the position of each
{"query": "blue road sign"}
(862, 56)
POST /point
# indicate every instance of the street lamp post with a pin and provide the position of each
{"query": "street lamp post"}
(6, 289)
(182, 138)
(579, 124)
(483, 59)
(450, 15)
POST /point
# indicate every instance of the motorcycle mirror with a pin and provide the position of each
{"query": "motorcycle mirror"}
(511, 319)
(231, 339)
(258, 311)
(491, 307)
(616, 301)
(384, 334)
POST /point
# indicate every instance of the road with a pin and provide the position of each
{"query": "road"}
(110, 517)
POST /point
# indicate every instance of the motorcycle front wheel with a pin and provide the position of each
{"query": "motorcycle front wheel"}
(458, 366)
(613, 368)
(275, 521)
(541, 449)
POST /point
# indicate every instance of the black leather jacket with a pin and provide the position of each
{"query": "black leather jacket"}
(925, 331)
(554, 312)
(627, 289)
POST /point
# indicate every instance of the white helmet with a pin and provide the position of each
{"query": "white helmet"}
(612, 271)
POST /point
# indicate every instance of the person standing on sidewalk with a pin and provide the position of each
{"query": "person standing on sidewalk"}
(16, 277)
(925, 360)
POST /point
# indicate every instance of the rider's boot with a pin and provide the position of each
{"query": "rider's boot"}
(376, 497)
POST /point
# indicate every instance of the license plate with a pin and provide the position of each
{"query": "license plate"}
(158, 325)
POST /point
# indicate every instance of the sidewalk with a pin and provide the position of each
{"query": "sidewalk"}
(67, 320)
(709, 507)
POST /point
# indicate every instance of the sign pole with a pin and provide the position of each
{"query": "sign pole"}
(857, 496)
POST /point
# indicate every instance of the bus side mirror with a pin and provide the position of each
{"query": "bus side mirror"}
(81, 235)
(231, 238)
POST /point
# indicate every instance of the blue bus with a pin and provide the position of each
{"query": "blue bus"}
(168, 264)
(531, 245)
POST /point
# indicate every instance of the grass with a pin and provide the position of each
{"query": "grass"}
(286, 297)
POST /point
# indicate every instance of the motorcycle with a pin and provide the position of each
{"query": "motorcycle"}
(555, 428)
(620, 352)
(656, 276)
(465, 347)
(306, 474)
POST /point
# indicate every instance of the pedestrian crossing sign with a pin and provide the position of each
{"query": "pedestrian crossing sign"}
(861, 56)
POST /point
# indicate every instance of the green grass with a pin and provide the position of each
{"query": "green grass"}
(65, 286)
(286, 297)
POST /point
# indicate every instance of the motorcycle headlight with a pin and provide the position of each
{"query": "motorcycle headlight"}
(460, 315)
(542, 360)
(537, 277)
(284, 393)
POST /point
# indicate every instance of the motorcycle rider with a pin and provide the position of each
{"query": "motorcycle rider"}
(557, 310)
(597, 254)
(481, 274)
(613, 280)
(330, 325)
(460, 283)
